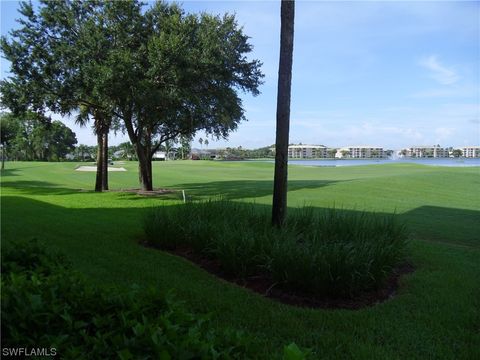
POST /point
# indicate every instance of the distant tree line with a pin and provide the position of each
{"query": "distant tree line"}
(33, 137)
(126, 151)
(241, 153)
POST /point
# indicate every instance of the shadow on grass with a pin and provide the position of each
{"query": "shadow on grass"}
(240, 189)
(229, 190)
(9, 172)
(23, 217)
(21, 214)
(172, 196)
(459, 226)
(32, 187)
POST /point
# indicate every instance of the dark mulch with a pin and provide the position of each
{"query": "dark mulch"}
(265, 286)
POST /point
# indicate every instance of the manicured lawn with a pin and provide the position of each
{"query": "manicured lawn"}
(435, 314)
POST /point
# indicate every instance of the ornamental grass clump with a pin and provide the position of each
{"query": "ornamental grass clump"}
(338, 253)
(321, 252)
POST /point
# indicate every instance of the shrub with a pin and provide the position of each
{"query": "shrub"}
(30, 256)
(322, 252)
(233, 233)
(59, 309)
(338, 253)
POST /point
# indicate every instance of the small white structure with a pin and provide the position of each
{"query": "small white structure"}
(94, 168)
(159, 155)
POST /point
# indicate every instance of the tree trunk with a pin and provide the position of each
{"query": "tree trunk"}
(98, 180)
(144, 168)
(279, 207)
(3, 156)
(149, 172)
(144, 154)
(105, 159)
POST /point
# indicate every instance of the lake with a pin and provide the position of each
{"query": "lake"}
(354, 162)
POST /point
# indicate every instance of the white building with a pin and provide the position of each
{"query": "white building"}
(427, 151)
(307, 151)
(361, 152)
(159, 155)
(471, 151)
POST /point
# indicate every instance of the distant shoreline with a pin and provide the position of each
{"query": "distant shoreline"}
(449, 162)
(356, 159)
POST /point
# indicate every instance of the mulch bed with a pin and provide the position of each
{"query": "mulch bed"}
(265, 286)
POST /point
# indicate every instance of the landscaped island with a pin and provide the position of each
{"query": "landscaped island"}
(433, 314)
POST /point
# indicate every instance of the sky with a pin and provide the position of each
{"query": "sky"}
(380, 73)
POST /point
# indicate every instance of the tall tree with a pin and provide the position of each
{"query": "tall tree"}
(185, 147)
(331, 153)
(8, 130)
(30, 137)
(345, 153)
(56, 60)
(160, 72)
(60, 141)
(128, 150)
(102, 121)
(279, 207)
(82, 152)
(186, 79)
(457, 153)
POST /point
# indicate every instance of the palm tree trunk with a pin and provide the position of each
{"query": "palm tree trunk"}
(98, 179)
(3, 156)
(105, 159)
(279, 207)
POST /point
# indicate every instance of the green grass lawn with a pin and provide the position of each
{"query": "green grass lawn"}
(435, 314)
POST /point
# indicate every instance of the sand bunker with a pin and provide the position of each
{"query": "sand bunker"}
(94, 168)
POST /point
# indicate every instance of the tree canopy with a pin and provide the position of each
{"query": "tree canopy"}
(155, 73)
(8, 130)
(29, 137)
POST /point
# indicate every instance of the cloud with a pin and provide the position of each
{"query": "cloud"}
(439, 72)
(443, 134)
(447, 92)
(393, 127)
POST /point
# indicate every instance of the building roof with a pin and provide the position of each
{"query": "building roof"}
(306, 146)
(425, 146)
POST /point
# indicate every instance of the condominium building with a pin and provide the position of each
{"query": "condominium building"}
(361, 152)
(471, 151)
(426, 151)
(307, 151)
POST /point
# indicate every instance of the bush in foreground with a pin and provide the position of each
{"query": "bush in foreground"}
(44, 304)
(321, 252)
